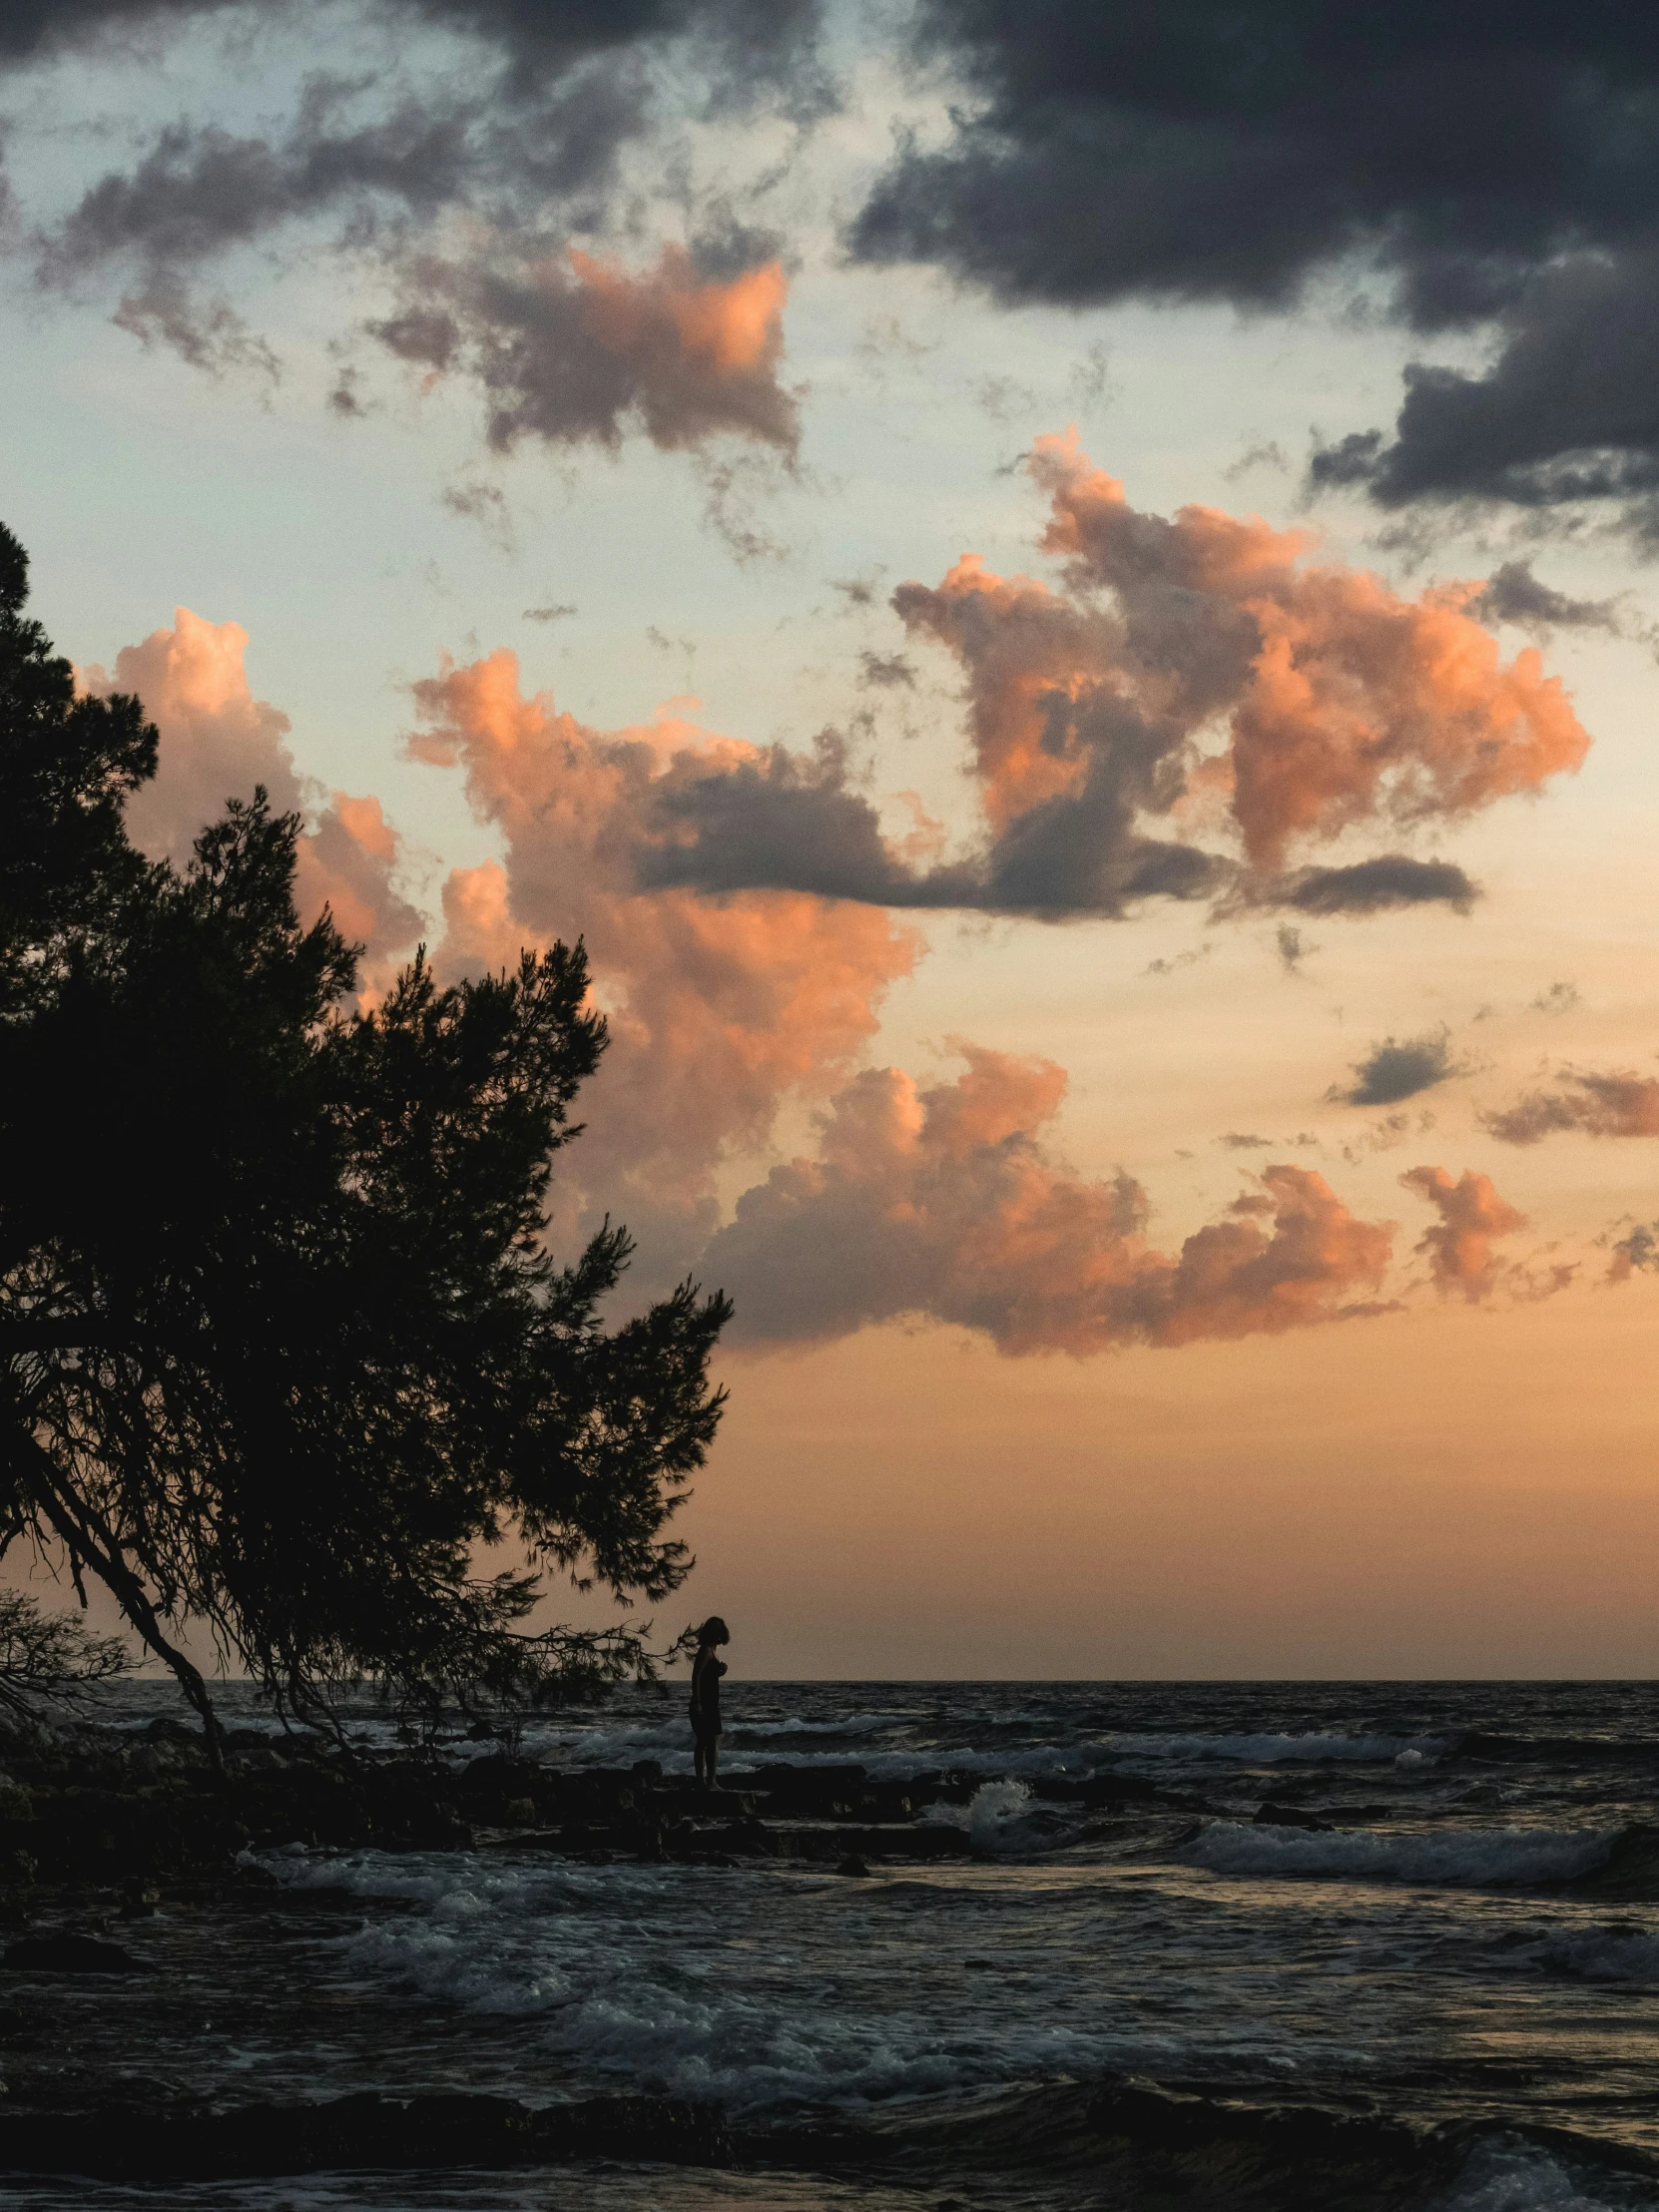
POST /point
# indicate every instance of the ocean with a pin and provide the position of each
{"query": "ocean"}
(1466, 1947)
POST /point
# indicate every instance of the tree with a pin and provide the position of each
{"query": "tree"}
(282, 1346)
(50, 1659)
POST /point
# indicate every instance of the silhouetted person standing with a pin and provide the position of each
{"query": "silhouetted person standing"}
(704, 1698)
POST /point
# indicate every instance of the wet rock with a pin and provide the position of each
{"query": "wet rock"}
(853, 1864)
(68, 1954)
(1271, 1814)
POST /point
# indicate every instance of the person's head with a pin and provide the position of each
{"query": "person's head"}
(714, 1631)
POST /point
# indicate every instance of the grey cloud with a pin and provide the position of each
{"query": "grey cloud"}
(522, 139)
(1513, 593)
(1291, 946)
(1566, 416)
(1637, 1251)
(1561, 999)
(556, 612)
(1375, 886)
(1501, 166)
(792, 822)
(1400, 1069)
(886, 671)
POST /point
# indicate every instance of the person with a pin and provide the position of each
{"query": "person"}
(704, 1698)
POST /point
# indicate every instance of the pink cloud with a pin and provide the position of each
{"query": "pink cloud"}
(945, 1204)
(1458, 1248)
(719, 1009)
(217, 743)
(1225, 678)
(570, 347)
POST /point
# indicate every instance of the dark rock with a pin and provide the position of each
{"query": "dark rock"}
(853, 1864)
(69, 1954)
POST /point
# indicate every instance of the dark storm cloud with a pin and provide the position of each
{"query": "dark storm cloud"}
(1498, 164)
(1398, 1069)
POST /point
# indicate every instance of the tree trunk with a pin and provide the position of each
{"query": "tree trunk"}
(91, 1546)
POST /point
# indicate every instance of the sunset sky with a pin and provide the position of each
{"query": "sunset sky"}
(1064, 595)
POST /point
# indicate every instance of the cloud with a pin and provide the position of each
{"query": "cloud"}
(719, 1009)
(475, 179)
(1595, 1105)
(1191, 672)
(1566, 416)
(945, 1205)
(1292, 948)
(885, 672)
(1513, 593)
(1493, 172)
(1637, 1251)
(1395, 1070)
(569, 348)
(1559, 998)
(1389, 881)
(1458, 1248)
(217, 743)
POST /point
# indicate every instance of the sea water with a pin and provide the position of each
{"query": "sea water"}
(1472, 1938)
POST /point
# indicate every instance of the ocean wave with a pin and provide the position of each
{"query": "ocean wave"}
(1451, 1856)
(543, 1946)
(1621, 1954)
(1511, 2175)
(1312, 1747)
(1000, 1818)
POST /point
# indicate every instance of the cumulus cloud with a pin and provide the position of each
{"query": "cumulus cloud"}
(1458, 1248)
(1396, 1069)
(570, 348)
(1194, 675)
(719, 1009)
(1497, 171)
(947, 1205)
(1595, 1105)
(219, 741)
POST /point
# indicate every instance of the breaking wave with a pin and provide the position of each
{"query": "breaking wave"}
(1452, 1856)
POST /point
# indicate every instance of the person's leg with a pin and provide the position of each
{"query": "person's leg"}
(702, 1742)
(714, 1761)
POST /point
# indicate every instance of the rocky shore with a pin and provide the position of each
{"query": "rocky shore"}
(94, 1808)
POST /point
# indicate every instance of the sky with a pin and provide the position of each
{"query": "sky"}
(1064, 596)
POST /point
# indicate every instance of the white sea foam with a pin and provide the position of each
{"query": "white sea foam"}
(696, 2010)
(997, 1819)
(1629, 1954)
(1514, 2176)
(1457, 1856)
(1312, 1747)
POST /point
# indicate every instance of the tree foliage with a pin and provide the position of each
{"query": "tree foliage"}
(51, 1659)
(282, 1344)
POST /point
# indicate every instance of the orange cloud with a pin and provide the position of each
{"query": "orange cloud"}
(217, 743)
(1622, 1105)
(945, 1204)
(569, 348)
(1225, 674)
(1458, 1248)
(719, 1010)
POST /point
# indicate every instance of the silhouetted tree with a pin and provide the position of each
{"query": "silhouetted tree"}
(280, 1344)
(51, 1659)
